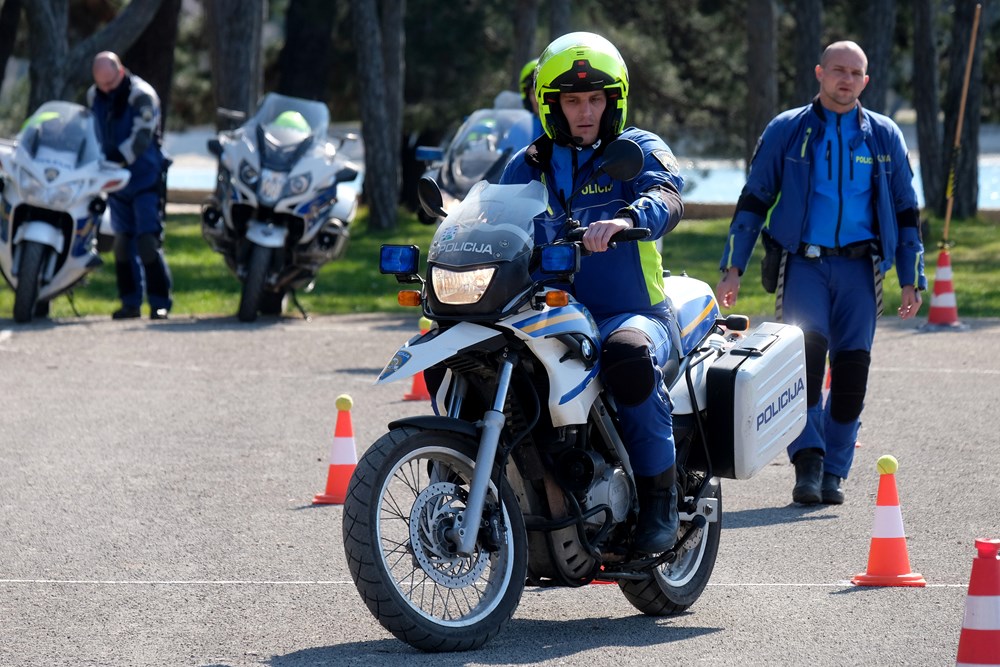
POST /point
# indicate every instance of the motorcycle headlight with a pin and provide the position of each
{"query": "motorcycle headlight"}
(65, 194)
(31, 187)
(296, 185)
(248, 174)
(457, 288)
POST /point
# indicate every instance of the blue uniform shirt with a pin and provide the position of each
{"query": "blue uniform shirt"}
(842, 192)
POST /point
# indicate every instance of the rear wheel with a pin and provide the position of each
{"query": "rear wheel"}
(253, 284)
(29, 280)
(674, 587)
(407, 493)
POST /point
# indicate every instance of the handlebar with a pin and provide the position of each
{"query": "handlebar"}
(634, 234)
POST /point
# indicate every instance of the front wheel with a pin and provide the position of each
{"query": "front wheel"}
(406, 494)
(253, 284)
(29, 280)
(674, 587)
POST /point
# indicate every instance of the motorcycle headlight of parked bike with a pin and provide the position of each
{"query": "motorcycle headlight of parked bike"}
(31, 188)
(248, 174)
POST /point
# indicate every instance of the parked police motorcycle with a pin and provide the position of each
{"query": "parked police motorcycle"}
(478, 151)
(521, 474)
(54, 184)
(285, 198)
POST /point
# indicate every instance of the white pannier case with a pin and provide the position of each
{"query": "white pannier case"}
(761, 382)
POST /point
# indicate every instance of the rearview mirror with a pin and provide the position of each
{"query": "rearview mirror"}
(430, 197)
(623, 160)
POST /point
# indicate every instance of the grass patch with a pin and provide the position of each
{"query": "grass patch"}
(204, 286)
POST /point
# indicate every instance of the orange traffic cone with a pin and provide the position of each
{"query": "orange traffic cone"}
(944, 307)
(343, 456)
(979, 643)
(888, 561)
(418, 392)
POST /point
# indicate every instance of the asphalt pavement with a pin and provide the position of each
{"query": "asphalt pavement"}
(156, 485)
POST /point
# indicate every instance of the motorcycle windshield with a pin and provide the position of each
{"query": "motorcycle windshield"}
(286, 127)
(60, 134)
(482, 146)
(494, 223)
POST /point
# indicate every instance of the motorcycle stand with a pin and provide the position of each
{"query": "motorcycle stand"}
(298, 305)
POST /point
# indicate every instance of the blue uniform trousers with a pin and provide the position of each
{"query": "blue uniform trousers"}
(834, 297)
(135, 211)
(647, 428)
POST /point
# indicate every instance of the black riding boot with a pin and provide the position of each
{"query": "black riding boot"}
(656, 528)
(808, 476)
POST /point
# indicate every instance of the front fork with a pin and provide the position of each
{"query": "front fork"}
(466, 528)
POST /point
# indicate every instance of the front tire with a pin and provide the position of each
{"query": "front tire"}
(674, 587)
(29, 280)
(253, 284)
(405, 494)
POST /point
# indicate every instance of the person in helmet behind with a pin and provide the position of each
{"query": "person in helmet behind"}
(582, 93)
(528, 98)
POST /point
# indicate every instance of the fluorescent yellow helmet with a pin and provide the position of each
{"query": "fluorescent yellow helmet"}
(581, 62)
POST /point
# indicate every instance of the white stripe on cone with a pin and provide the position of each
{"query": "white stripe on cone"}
(982, 612)
(943, 273)
(342, 451)
(946, 300)
(888, 521)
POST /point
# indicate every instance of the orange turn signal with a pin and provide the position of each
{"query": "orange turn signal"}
(408, 297)
(556, 298)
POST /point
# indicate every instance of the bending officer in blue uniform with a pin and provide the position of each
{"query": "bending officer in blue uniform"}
(830, 184)
(582, 92)
(127, 118)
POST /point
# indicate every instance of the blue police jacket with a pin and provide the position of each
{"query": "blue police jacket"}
(629, 277)
(127, 121)
(777, 194)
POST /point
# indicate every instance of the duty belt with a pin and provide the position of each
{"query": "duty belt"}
(853, 251)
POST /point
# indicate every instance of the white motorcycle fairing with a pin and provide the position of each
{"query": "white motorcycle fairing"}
(266, 235)
(424, 350)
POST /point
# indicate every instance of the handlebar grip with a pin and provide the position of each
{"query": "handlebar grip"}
(635, 234)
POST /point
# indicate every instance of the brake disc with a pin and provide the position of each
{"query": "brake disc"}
(434, 513)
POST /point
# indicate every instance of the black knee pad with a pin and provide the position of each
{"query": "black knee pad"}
(628, 367)
(120, 248)
(148, 247)
(816, 345)
(848, 384)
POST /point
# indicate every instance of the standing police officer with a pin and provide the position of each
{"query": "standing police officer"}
(582, 92)
(127, 117)
(833, 183)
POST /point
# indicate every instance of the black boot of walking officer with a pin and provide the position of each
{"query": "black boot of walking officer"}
(658, 522)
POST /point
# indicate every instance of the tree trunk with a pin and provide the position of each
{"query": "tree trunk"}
(58, 72)
(560, 15)
(762, 68)
(10, 17)
(152, 55)
(235, 28)
(304, 62)
(393, 46)
(879, 28)
(925, 103)
(525, 24)
(808, 33)
(965, 160)
(381, 181)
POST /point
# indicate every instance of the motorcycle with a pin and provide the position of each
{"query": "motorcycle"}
(479, 150)
(284, 201)
(55, 180)
(520, 477)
